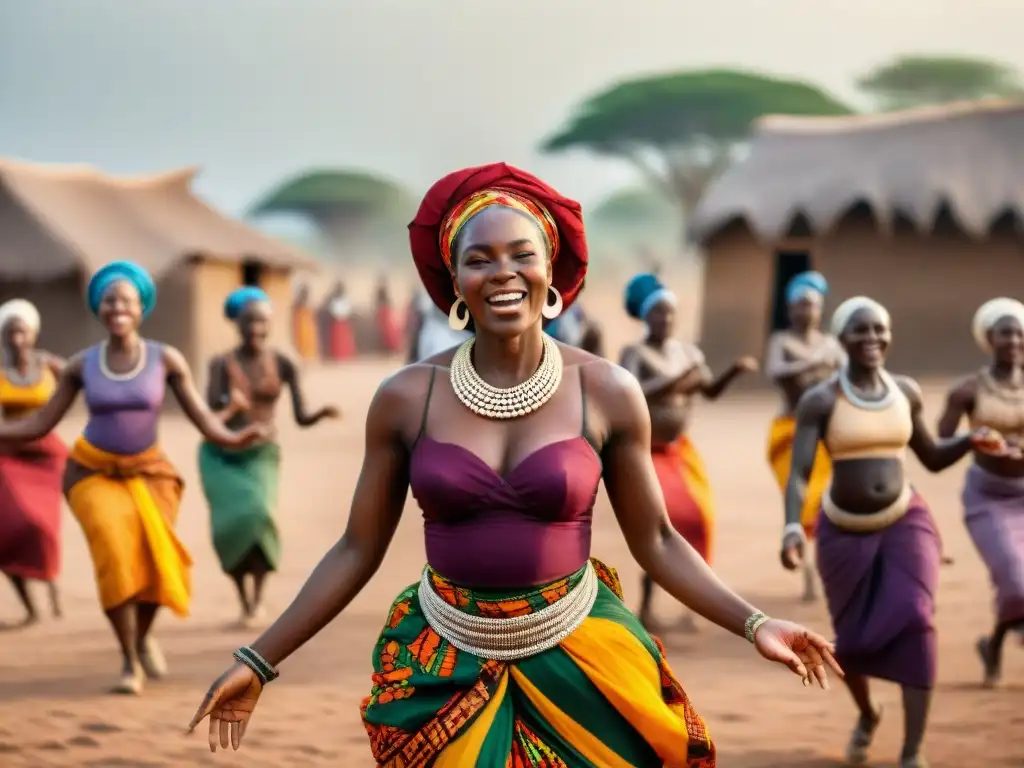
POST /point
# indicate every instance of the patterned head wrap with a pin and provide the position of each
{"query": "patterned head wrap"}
(845, 312)
(461, 214)
(122, 271)
(807, 285)
(240, 298)
(455, 199)
(20, 309)
(644, 292)
(990, 313)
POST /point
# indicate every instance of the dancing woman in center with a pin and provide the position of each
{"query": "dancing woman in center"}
(241, 485)
(993, 494)
(514, 648)
(877, 545)
(671, 375)
(120, 486)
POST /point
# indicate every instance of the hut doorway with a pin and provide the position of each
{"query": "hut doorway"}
(252, 273)
(789, 263)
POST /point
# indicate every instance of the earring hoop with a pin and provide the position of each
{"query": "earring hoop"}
(456, 321)
(552, 309)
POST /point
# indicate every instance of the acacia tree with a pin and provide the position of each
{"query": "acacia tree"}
(913, 81)
(346, 206)
(680, 130)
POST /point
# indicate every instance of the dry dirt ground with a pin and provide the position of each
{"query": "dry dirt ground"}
(53, 710)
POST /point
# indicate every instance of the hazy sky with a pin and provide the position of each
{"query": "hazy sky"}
(255, 90)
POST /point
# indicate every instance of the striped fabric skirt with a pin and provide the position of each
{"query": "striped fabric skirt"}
(603, 698)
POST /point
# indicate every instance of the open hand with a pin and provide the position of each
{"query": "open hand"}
(229, 704)
(806, 653)
(991, 442)
(255, 433)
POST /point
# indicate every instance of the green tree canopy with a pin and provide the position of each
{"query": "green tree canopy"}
(347, 206)
(913, 81)
(680, 130)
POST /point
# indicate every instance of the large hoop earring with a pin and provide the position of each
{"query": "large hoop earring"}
(455, 321)
(552, 309)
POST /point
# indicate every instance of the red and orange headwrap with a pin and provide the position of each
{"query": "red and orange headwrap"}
(459, 196)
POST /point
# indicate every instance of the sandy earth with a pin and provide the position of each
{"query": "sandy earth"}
(53, 711)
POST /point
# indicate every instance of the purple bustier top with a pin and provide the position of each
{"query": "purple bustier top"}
(529, 527)
(123, 410)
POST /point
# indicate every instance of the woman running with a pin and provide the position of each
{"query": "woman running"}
(993, 494)
(30, 474)
(241, 485)
(878, 546)
(514, 648)
(797, 359)
(120, 486)
(671, 373)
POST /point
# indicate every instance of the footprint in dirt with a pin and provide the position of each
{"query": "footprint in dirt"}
(99, 728)
(82, 741)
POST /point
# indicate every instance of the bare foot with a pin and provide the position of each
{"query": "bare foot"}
(992, 673)
(25, 623)
(861, 738)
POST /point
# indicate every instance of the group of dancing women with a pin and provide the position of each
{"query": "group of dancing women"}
(515, 646)
(118, 483)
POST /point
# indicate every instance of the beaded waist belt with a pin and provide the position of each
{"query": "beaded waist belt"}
(515, 637)
(869, 523)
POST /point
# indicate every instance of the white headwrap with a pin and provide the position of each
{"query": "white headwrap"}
(990, 313)
(20, 309)
(846, 310)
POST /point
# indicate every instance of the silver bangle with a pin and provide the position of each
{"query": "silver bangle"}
(753, 623)
(797, 528)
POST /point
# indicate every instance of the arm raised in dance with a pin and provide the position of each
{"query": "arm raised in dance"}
(179, 379)
(40, 423)
(290, 376)
(671, 562)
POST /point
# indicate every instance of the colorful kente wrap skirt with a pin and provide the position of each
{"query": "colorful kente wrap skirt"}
(602, 698)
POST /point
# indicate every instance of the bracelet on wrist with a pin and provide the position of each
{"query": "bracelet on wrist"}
(260, 667)
(794, 528)
(753, 623)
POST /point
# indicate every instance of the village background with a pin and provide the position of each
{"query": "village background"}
(730, 144)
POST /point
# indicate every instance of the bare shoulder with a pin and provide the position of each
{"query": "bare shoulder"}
(285, 365)
(74, 364)
(399, 400)
(964, 389)
(172, 358)
(818, 401)
(910, 388)
(614, 390)
(442, 359)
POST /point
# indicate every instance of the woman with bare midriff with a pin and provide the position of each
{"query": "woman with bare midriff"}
(797, 359)
(514, 648)
(993, 495)
(240, 485)
(671, 374)
(878, 547)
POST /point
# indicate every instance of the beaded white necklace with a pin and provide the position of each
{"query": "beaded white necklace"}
(105, 368)
(496, 403)
(891, 389)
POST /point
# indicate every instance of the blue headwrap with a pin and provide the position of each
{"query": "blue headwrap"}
(643, 292)
(806, 284)
(116, 272)
(240, 298)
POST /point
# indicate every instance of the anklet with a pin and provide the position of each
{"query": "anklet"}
(262, 668)
(754, 622)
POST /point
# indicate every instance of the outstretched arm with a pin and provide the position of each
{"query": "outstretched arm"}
(290, 376)
(40, 423)
(376, 510)
(959, 403)
(640, 506)
(935, 455)
(182, 384)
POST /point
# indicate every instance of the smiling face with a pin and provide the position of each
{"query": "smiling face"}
(1007, 340)
(502, 271)
(866, 338)
(805, 313)
(121, 310)
(661, 320)
(254, 324)
(17, 336)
